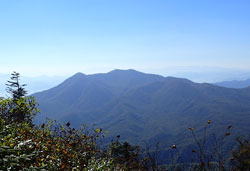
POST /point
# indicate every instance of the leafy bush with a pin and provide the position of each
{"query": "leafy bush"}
(59, 147)
(241, 156)
(19, 110)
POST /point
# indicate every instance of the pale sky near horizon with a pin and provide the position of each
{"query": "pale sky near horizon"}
(60, 37)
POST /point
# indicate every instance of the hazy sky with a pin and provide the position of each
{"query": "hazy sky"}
(55, 37)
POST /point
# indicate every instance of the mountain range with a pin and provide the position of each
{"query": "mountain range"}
(234, 83)
(144, 107)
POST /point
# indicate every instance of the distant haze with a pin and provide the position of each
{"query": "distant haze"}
(34, 84)
(196, 74)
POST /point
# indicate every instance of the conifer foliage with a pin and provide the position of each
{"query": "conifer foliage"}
(19, 107)
(14, 88)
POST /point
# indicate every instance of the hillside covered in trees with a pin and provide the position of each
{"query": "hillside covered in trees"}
(56, 146)
(148, 108)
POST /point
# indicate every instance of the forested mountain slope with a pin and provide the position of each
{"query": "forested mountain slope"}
(145, 107)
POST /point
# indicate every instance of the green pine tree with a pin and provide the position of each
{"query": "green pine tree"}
(14, 87)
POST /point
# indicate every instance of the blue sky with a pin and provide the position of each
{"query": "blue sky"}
(61, 37)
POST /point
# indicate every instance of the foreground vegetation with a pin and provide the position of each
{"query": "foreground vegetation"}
(55, 146)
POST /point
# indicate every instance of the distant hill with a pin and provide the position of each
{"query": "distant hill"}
(234, 84)
(145, 107)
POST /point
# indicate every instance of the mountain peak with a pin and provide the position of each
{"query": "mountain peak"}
(76, 77)
(78, 74)
(124, 71)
